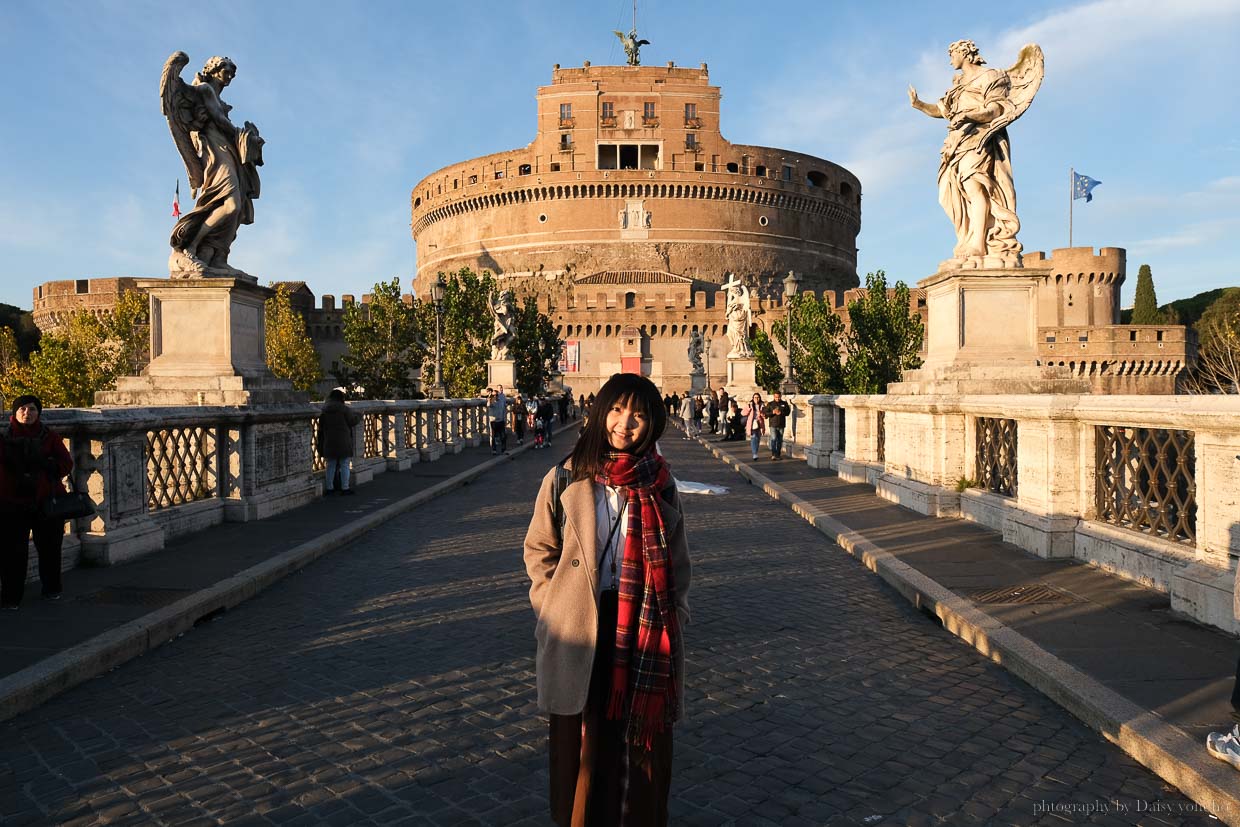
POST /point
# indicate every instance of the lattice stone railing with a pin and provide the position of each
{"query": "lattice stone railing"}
(1147, 487)
(995, 465)
(155, 473)
(1146, 481)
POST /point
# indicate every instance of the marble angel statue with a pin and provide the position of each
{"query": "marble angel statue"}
(695, 353)
(500, 306)
(739, 318)
(975, 173)
(222, 162)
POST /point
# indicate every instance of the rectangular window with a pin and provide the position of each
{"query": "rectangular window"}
(566, 111)
(691, 141)
(690, 111)
(82, 286)
(473, 179)
(566, 140)
(648, 110)
(555, 167)
(609, 109)
(787, 176)
(698, 166)
(499, 173)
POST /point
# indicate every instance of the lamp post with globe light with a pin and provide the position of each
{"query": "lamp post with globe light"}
(437, 291)
(791, 282)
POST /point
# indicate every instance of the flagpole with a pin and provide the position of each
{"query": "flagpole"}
(1071, 181)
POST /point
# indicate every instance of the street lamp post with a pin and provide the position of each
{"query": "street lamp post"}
(437, 289)
(707, 343)
(791, 282)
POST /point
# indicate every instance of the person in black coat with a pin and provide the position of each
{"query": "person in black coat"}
(33, 464)
(335, 440)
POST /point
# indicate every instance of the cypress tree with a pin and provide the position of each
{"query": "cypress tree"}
(1145, 306)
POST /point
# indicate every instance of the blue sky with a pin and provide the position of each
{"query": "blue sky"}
(359, 100)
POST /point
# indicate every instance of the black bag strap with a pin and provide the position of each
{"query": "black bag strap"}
(561, 481)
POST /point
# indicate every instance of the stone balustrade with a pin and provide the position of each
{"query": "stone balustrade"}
(156, 473)
(1146, 487)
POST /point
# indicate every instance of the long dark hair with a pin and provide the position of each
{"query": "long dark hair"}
(622, 388)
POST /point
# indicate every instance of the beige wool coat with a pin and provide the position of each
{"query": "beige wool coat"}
(562, 590)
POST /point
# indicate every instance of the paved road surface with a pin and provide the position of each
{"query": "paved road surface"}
(392, 683)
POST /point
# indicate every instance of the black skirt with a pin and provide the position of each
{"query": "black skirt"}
(598, 779)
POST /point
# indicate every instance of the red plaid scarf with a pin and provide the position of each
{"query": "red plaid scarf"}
(644, 686)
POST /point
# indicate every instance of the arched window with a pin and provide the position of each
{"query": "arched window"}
(630, 300)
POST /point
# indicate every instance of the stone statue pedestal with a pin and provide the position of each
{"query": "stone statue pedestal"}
(208, 347)
(742, 378)
(502, 372)
(697, 382)
(982, 333)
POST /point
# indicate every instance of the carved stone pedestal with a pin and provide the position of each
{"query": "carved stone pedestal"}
(742, 378)
(697, 382)
(208, 347)
(502, 372)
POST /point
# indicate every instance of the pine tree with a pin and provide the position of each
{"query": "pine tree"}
(290, 353)
(1145, 306)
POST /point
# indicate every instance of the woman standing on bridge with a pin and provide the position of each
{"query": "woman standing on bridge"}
(33, 463)
(609, 564)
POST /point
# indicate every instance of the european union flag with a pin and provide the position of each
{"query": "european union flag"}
(1083, 187)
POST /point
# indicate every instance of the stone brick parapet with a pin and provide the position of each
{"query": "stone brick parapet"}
(1147, 488)
(158, 473)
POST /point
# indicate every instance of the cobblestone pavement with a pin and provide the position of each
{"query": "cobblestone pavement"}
(392, 683)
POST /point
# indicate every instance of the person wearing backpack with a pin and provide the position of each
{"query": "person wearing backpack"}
(608, 562)
(33, 465)
(336, 424)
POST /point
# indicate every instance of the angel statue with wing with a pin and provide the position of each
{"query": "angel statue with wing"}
(975, 174)
(632, 45)
(505, 325)
(222, 162)
(739, 318)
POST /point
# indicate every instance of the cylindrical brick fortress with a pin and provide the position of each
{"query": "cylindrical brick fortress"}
(628, 172)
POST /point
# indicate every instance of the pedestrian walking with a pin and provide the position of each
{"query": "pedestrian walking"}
(33, 465)
(497, 410)
(734, 428)
(686, 415)
(335, 441)
(610, 650)
(712, 410)
(755, 423)
(777, 412)
(519, 414)
(562, 404)
(545, 413)
(699, 410)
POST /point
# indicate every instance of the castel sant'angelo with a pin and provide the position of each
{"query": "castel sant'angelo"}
(628, 211)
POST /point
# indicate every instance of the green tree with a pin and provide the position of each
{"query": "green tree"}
(386, 345)
(290, 353)
(87, 356)
(25, 331)
(1145, 307)
(1218, 350)
(467, 326)
(884, 337)
(816, 331)
(767, 371)
(535, 347)
(14, 371)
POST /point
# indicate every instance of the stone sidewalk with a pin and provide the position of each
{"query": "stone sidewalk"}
(1109, 650)
(110, 615)
(391, 682)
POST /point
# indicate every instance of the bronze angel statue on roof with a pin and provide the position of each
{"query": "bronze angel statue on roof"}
(975, 173)
(632, 45)
(222, 162)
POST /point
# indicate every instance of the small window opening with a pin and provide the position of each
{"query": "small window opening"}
(524, 169)
(732, 167)
(82, 285)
